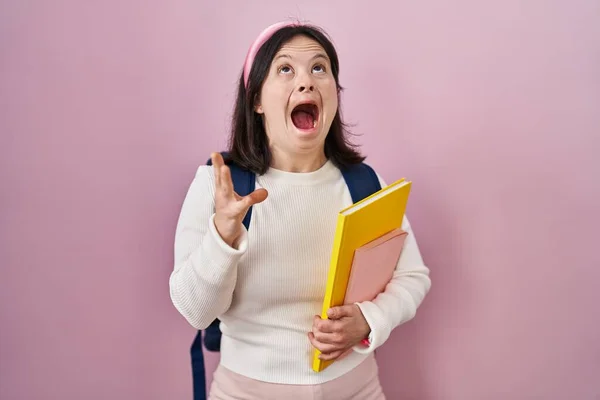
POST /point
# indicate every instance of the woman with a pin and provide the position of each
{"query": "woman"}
(266, 283)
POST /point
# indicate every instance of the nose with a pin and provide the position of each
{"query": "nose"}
(306, 88)
(305, 83)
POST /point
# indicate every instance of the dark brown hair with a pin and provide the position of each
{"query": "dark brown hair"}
(248, 141)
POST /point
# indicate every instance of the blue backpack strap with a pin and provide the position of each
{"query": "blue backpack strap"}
(362, 181)
(244, 182)
(198, 369)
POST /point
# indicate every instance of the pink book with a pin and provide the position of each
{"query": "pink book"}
(373, 266)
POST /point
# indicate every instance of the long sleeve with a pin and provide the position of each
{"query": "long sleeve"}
(202, 282)
(403, 295)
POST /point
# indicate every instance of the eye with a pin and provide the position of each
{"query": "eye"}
(319, 69)
(284, 69)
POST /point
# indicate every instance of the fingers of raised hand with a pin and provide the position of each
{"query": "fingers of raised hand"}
(217, 163)
(253, 198)
(258, 196)
(222, 174)
(217, 159)
(226, 184)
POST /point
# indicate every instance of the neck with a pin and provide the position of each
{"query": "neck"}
(297, 162)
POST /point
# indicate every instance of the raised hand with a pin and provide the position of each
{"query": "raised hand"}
(230, 208)
(345, 327)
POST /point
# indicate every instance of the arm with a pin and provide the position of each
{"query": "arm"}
(201, 285)
(403, 294)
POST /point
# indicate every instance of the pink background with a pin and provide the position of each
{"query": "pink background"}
(492, 109)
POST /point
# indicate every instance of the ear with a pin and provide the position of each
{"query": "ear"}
(257, 106)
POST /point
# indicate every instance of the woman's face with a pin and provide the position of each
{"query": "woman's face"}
(298, 99)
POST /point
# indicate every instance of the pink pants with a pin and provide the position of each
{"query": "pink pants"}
(362, 383)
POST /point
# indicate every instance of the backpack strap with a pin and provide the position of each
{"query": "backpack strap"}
(362, 181)
(244, 182)
(198, 368)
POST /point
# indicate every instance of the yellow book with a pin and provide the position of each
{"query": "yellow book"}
(358, 225)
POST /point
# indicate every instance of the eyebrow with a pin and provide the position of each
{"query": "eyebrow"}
(318, 55)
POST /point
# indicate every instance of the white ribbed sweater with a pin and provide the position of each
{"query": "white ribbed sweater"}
(267, 291)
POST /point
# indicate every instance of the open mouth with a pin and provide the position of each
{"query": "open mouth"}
(305, 116)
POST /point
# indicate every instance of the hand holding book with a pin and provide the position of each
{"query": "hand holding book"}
(344, 328)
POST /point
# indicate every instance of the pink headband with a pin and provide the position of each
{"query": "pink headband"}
(260, 40)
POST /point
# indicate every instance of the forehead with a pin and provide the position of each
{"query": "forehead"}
(301, 47)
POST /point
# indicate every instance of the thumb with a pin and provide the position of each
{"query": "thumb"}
(341, 311)
(258, 196)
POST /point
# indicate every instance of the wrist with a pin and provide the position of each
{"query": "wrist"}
(240, 244)
(366, 327)
(227, 230)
